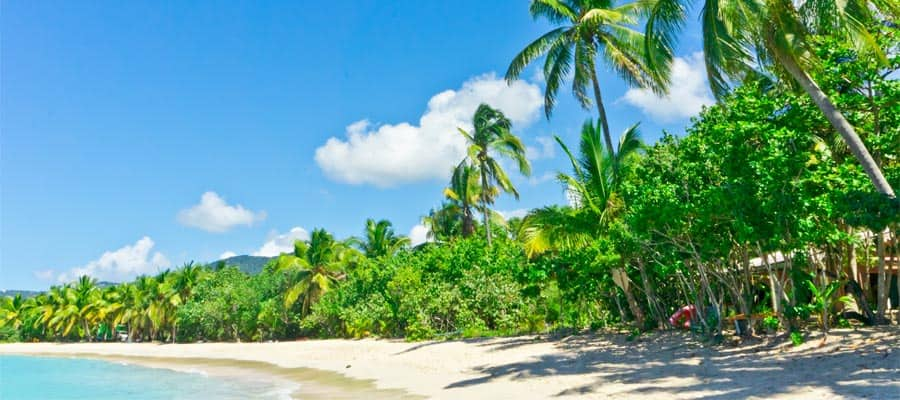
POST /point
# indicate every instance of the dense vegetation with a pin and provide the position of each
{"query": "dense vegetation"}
(762, 211)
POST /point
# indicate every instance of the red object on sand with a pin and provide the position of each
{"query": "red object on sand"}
(682, 318)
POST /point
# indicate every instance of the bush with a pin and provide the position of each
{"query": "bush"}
(462, 288)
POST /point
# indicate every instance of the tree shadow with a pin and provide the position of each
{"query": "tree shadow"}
(673, 365)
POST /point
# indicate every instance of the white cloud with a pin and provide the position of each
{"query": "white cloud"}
(214, 215)
(517, 213)
(418, 235)
(45, 274)
(281, 242)
(546, 149)
(687, 95)
(392, 154)
(227, 254)
(123, 264)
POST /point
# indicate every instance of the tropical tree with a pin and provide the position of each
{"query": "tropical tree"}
(380, 239)
(492, 135)
(463, 193)
(313, 267)
(739, 34)
(593, 187)
(177, 289)
(12, 310)
(590, 28)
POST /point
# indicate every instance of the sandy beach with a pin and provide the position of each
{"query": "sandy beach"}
(669, 365)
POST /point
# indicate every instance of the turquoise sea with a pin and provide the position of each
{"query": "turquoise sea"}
(56, 378)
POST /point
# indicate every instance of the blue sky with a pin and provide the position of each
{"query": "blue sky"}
(140, 135)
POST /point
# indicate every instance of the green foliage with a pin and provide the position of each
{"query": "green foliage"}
(463, 288)
(771, 323)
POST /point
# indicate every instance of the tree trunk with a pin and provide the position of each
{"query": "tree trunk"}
(651, 295)
(837, 120)
(882, 278)
(625, 284)
(484, 203)
(851, 260)
(468, 224)
(602, 111)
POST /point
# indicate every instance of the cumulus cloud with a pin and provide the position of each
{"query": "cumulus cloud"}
(123, 264)
(213, 214)
(687, 95)
(546, 148)
(392, 154)
(418, 235)
(281, 242)
(227, 254)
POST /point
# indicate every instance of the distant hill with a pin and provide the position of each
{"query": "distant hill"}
(25, 293)
(249, 264)
(31, 293)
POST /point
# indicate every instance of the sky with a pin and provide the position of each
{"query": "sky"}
(137, 136)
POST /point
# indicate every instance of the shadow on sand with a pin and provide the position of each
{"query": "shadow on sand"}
(867, 369)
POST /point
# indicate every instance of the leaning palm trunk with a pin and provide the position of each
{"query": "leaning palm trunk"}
(836, 118)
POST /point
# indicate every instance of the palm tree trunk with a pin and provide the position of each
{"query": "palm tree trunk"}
(837, 120)
(484, 203)
(602, 111)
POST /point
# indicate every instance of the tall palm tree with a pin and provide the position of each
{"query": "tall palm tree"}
(381, 240)
(464, 192)
(739, 34)
(177, 289)
(590, 28)
(492, 135)
(313, 267)
(593, 186)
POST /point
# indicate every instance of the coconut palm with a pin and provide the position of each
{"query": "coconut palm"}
(593, 188)
(491, 136)
(177, 289)
(380, 239)
(72, 306)
(463, 193)
(445, 222)
(589, 28)
(313, 267)
(12, 310)
(739, 34)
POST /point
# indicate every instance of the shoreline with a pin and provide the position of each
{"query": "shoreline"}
(851, 364)
(295, 383)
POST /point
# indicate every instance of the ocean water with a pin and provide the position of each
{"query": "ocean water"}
(57, 378)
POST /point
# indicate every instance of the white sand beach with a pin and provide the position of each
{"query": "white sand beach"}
(851, 364)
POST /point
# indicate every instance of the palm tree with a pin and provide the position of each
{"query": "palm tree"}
(738, 34)
(71, 307)
(463, 193)
(445, 222)
(12, 311)
(589, 28)
(313, 267)
(177, 289)
(381, 240)
(492, 135)
(594, 187)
